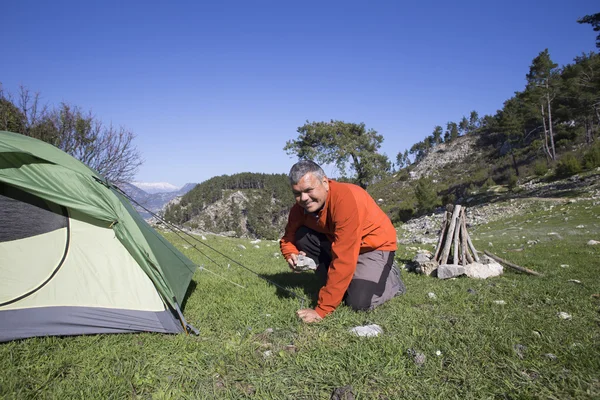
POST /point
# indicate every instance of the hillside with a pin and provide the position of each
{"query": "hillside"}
(242, 205)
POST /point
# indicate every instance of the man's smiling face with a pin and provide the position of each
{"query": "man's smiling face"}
(311, 192)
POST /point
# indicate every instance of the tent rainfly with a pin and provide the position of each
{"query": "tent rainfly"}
(75, 257)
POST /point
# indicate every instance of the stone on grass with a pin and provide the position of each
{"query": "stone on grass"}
(418, 357)
(500, 302)
(342, 393)
(432, 295)
(574, 281)
(446, 271)
(367, 330)
(427, 268)
(483, 271)
(241, 246)
(593, 242)
(564, 315)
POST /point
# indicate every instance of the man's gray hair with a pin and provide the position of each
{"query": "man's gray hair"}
(302, 168)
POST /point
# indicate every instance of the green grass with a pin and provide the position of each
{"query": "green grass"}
(488, 350)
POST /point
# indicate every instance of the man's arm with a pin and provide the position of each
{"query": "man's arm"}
(344, 250)
(287, 243)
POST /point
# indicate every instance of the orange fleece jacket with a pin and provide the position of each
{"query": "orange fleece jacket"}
(354, 224)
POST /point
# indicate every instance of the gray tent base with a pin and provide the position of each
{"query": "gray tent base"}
(68, 321)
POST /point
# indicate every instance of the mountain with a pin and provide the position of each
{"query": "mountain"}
(245, 204)
(156, 187)
(155, 201)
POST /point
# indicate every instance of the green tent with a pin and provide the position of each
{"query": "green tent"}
(75, 257)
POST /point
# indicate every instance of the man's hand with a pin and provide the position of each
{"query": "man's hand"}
(293, 260)
(308, 315)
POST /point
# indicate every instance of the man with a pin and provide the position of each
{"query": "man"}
(350, 238)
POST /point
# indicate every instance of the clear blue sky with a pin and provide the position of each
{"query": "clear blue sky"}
(218, 87)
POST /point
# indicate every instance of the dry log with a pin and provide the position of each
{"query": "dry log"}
(463, 240)
(441, 238)
(450, 231)
(517, 267)
(456, 239)
(466, 239)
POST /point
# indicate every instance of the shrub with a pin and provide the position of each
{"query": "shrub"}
(426, 193)
(540, 168)
(488, 183)
(405, 213)
(567, 166)
(591, 158)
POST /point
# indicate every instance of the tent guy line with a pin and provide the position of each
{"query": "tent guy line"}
(174, 228)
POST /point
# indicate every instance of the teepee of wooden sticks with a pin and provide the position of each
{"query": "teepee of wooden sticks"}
(454, 242)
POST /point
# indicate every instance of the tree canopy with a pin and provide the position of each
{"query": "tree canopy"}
(350, 146)
(106, 149)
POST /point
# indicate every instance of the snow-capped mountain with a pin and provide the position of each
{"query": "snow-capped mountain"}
(153, 202)
(156, 187)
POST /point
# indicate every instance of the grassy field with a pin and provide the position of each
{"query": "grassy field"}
(251, 345)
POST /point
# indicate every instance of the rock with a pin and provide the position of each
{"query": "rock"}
(418, 357)
(564, 315)
(241, 246)
(550, 356)
(499, 302)
(427, 268)
(203, 237)
(483, 271)
(431, 295)
(342, 393)
(421, 258)
(574, 281)
(520, 350)
(255, 241)
(367, 330)
(593, 242)
(471, 291)
(256, 246)
(446, 271)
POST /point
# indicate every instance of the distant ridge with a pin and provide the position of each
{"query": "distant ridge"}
(156, 187)
(153, 201)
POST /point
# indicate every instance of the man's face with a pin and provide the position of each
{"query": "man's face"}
(311, 192)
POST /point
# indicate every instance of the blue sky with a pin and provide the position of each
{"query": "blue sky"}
(213, 88)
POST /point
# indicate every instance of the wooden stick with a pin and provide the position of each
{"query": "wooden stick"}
(441, 238)
(470, 243)
(463, 239)
(449, 233)
(518, 268)
(456, 238)
(466, 238)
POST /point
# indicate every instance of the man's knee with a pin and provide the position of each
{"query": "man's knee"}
(360, 295)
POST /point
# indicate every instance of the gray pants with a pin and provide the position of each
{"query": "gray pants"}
(375, 281)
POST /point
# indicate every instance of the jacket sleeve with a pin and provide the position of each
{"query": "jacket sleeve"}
(344, 250)
(287, 242)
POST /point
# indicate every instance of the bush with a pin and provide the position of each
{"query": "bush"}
(540, 168)
(591, 158)
(426, 194)
(567, 166)
(406, 213)
(488, 183)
